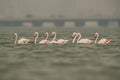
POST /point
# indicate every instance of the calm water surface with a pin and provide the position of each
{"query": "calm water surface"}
(59, 62)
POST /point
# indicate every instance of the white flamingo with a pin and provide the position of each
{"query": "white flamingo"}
(20, 41)
(101, 41)
(60, 41)
(84, 41)
(74, 36)
(45, 41)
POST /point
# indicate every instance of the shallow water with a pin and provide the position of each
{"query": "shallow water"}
(59, 62)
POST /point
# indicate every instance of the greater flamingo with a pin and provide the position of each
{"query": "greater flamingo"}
(45, 41)
(20, 41)
(59, 41)
(101, 41)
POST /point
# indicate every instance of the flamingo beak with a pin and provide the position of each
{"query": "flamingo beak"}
(73, 35)
(35, 35)
(13, 36)
(95, 35)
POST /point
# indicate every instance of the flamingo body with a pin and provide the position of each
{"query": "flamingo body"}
(43, 42)
(23, 41)
(104, 41)
(85, 41)
(62, 41)
(52, 42)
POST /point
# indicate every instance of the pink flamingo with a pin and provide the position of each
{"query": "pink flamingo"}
(101, 41)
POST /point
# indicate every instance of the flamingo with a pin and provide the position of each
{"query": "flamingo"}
(60, 41)
(45, 41)
(20, 41)
(101, 41)
(84, 41)
(54, 37)
(74, 35)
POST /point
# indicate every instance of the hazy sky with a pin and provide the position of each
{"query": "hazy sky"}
(67, 8)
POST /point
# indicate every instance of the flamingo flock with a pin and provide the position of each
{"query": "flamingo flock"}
(77, 38)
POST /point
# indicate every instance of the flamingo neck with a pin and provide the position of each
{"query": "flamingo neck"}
(79, 36)
(35, 40)
(16, 39)
(73, 41)
(96, 39)
(54, 37)
(46, 37)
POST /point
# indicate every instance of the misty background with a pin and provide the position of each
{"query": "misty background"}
(60, 8)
